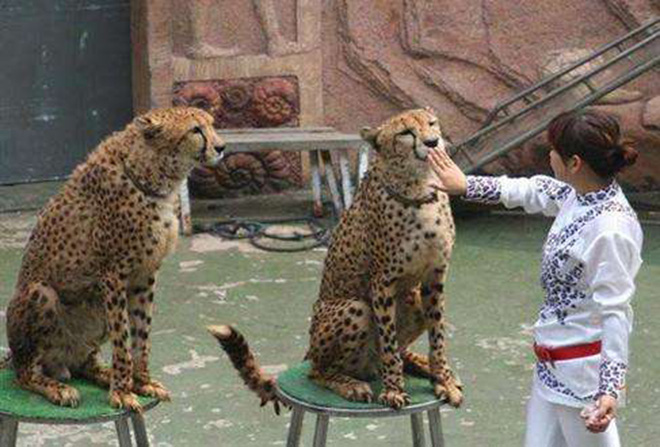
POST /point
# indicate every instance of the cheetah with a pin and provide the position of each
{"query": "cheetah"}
(383, 278)
(88, 270)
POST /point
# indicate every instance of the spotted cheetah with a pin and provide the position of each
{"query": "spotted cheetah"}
(383, 278)
(88, 270)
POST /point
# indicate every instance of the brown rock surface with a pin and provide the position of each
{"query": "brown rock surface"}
(358, 62)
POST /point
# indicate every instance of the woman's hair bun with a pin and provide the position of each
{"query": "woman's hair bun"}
(630, 154)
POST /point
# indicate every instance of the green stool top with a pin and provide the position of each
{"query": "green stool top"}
(22, 405)
(295, 388)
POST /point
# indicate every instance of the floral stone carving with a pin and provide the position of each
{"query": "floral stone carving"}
(239, 103)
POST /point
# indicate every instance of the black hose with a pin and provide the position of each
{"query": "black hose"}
(256, 232)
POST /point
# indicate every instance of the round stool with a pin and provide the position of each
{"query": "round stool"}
(18, 405)
(296, 390)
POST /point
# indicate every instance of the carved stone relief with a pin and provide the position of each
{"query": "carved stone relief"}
(248, 102)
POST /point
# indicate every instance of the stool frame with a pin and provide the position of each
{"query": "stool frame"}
(323, 415)
(9, 426)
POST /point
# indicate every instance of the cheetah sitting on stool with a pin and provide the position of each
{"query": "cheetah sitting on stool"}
(89, 265)
(383, 278)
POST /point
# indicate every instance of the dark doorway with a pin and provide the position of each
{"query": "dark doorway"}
(65, 83)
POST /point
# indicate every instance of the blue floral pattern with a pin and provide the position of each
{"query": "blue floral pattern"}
(602, 195)
(612, 377)
(561, 282)
(555, 190)
(550, 380)
(483, 189)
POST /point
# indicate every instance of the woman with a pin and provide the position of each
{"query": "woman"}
(590, 259)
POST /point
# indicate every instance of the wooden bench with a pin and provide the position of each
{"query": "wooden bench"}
(318, 141)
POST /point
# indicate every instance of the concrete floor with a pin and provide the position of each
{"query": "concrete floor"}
(493, 296)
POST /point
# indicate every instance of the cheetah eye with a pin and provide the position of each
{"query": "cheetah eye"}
(433, 123)
(197, 129)
(405, 133)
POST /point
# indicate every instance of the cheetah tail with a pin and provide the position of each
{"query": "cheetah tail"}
(236, 347)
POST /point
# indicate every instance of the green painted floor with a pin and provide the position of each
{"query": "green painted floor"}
(493, 296)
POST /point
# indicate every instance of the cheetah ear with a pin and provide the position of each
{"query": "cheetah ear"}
(151, 127)
(430, 110)
(370, 135)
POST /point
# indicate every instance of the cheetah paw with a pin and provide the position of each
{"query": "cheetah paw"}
(152, 388)
(394, 398)
(450, 391)
(65, 395)
(123, 399)
(358, 393)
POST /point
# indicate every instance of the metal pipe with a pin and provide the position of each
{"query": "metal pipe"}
(584, 102)
(598, 52)
(554, 93)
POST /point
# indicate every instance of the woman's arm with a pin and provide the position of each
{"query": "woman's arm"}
(612, 260)
(539, 194)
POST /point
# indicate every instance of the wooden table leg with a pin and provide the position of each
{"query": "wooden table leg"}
(346, 186)
(316, 182)
(184, 202)
(329, 175)
(363, 162)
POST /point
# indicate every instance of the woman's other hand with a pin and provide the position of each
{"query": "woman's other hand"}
(604, 412)
(448, 177)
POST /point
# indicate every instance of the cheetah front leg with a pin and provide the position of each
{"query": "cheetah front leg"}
(121, 384)
(140, 306)
(384, 315)
(433, 300)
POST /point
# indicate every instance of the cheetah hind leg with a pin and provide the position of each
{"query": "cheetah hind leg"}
(347, 387)
(418, 365)
(94, 371)
(32, 379)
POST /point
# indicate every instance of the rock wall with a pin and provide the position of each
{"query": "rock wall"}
(358, 62)
(464, 56)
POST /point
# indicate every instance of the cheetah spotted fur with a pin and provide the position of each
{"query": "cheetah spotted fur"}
(88, 271)
(383, 278)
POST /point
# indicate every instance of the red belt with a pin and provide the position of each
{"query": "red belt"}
(546, 354)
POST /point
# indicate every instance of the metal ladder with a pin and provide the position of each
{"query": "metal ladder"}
(529, 112)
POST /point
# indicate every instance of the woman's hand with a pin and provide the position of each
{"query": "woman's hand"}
(448, 177)
(604, 412)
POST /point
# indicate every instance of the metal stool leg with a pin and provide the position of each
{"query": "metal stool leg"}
(8, 435)
(123, 433)
(295, 428)
(435, 425)
(321, 431)
(417, 424)
(140, 430)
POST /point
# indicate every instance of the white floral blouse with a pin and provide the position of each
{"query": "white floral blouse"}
(590, 259)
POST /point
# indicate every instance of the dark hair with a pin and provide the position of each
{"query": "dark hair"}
(593, 136)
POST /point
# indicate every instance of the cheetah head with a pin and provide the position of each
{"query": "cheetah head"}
(184, 134)
(407, 138)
